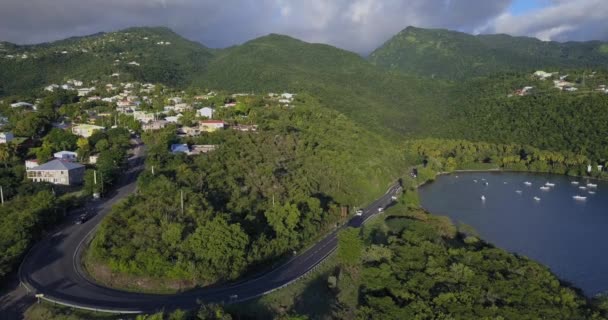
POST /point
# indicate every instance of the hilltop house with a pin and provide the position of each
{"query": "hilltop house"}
(22, 105)
(211, 125)
(31, 163)
(204, 148)
(144, 117)
(6, 137)
(58, 172)
(66, 156)
(542, 75)
(180, 148)
(85, 130)
(189, 131)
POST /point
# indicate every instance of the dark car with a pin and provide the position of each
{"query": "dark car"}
(82, 218)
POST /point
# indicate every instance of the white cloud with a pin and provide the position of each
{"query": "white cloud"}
(560, 20)
(358, 25)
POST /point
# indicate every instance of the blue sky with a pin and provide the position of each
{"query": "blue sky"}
(524, 6)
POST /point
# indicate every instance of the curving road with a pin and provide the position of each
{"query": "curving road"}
(53, 270)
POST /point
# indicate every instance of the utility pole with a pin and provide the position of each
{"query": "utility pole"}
(2, 195)
(95, 177)
(152, 170)
(273, 200)
(182, 201)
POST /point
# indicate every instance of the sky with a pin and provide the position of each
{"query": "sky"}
(356, 25)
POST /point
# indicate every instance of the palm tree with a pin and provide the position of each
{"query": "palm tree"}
(5, 154)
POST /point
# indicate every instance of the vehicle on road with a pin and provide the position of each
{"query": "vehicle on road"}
(394, 198)
(380, 209)
(82, 218)
(359, 212)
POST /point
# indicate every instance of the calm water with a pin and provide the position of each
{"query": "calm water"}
(568, 236)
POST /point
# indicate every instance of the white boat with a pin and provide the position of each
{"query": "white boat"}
(549, 184)
(537, 198)
(582, 188)
(483, 198)
(580, 198)
(528, 183)
(574, 182)
(486, 184)
(518, 191)
(591, 185)
(545, 188)
(505, 182)
(475, 180)
(591, 192)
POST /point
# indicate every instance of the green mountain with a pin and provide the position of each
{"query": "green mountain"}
(456, 55)
(341, 79)
(156, 54)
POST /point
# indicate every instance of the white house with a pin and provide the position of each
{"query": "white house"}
(66, 156)
(57, 172)
(21, 105)
(6, 137)
(205, 112)
(31, 163)
(543, 75)
(176, 100)
(85, 91)
(143, 117)
(93, 158)
(173, 119)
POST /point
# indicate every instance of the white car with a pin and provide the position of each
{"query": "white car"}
(394, 198)
(380, 209)
(359, 212)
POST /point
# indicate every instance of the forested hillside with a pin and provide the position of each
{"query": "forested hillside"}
(256, 198)
(488, 109)
(140, 54)
(455, 55)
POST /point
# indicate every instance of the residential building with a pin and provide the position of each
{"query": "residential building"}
(181, 107)
(21, 104)
(211, 125)
(245, 127)
(58, 172)
(144, 117)
(180, 148)
(6, 137)
(85, 130)
(93, 158)
(31, 163)
(199, 149)
(189, 131)
(176, 100)
(155, 125)
(173, 119)
(66, 156)
(205, 112)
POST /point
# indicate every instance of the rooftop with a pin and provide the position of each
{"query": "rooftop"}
(56, 165)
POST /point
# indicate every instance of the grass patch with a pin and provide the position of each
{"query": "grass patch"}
(311, 296)
(48, 311)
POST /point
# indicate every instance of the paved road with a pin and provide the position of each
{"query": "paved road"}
(52, 266)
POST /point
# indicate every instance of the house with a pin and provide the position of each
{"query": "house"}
(211, 125)
(85, 130)
(180, 148)
(66, 156)
(230, 105)
(155, 125)
(58, 172)
(245, 128)
(204, 148)
(144, 117)
(288, 96)
(21, 105)
(205, 112)
(51, 87)
(93, 158)
(85, 91)
(181, 107)
(173, 119)
(543, 75)
(31, 163)
(176, 100)
(6, 137)
(189, 131)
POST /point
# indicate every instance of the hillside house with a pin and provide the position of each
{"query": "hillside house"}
(176, 100)
(93, 158)
(22, 104)
(211, 125)
(205, 112)
(189, 131)
(66, 156)
(58, 172)
(155, 125)
(173, 119)
(144, 117)
(31, 163)
(6, 137)
(245, 128)
(180, 148)
(542, 75)
(200, 149)
(85, 130)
